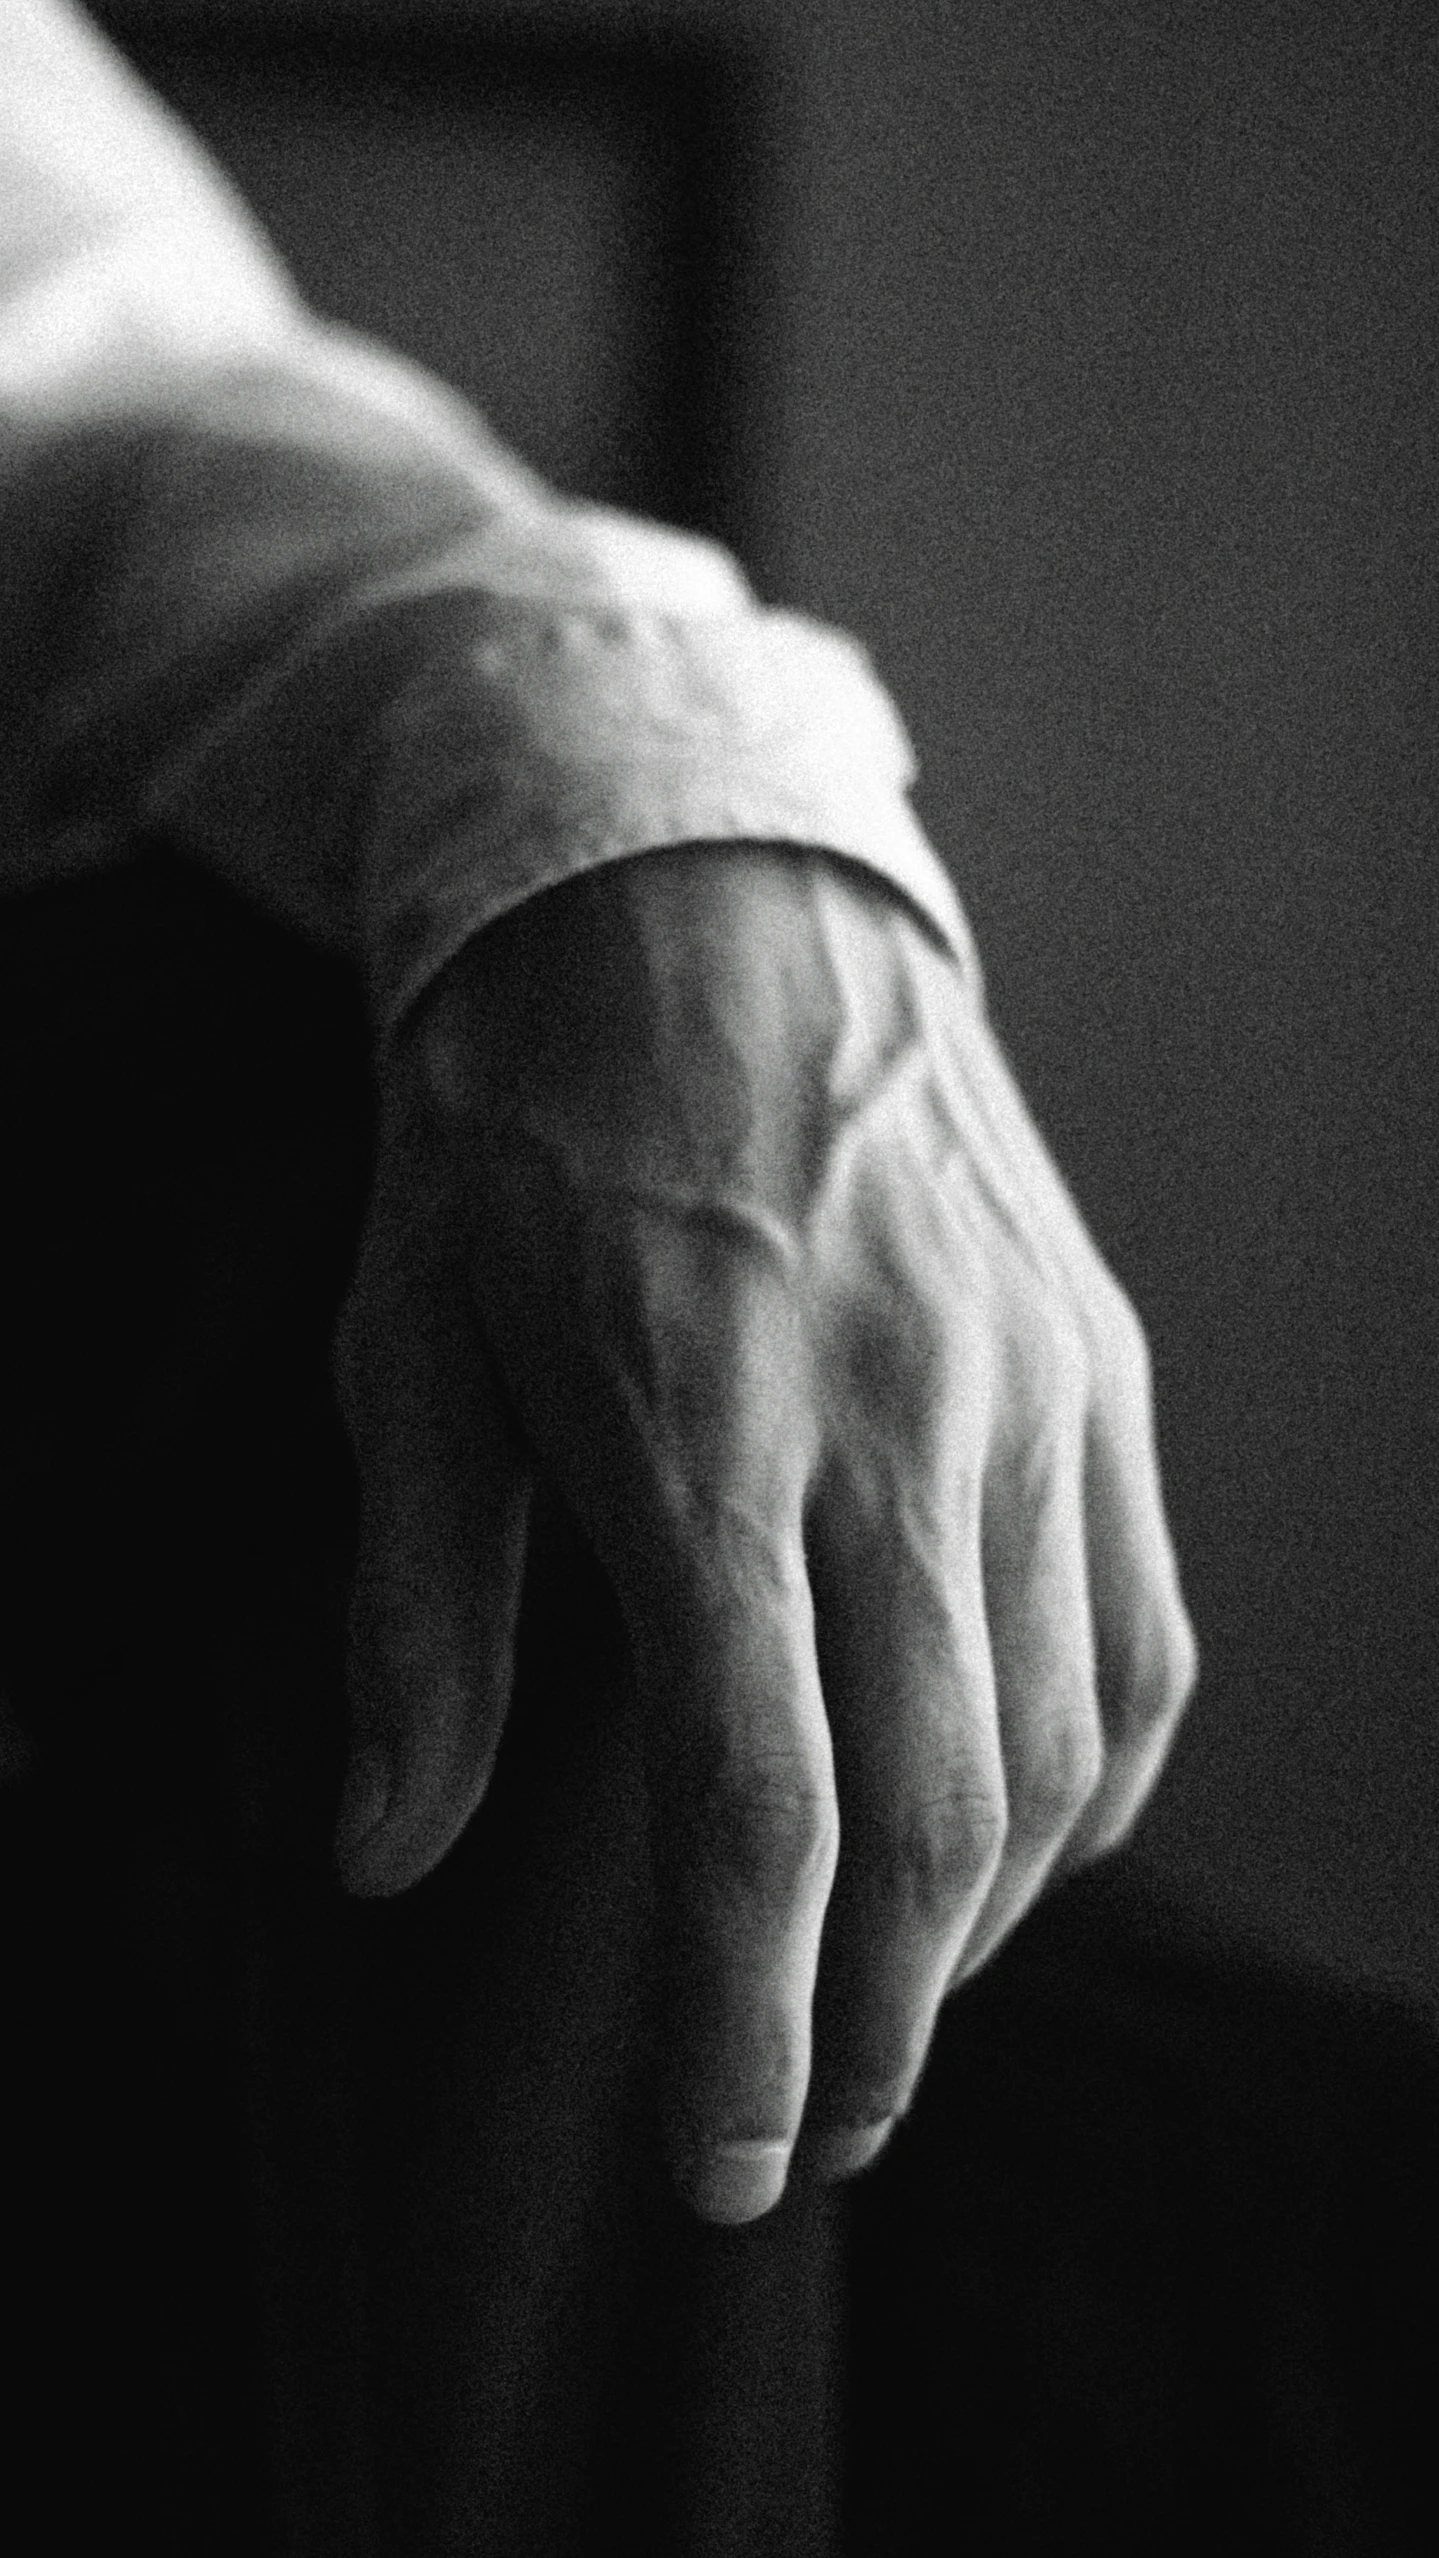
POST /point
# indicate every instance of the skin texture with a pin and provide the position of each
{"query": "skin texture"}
(703, 1184)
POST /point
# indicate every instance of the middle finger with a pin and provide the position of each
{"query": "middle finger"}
(910, 1694)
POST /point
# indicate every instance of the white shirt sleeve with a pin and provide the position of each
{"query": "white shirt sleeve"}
(266, 587)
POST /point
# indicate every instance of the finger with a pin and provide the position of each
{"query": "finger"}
(681, 1433)
(1036, 1582)
(678, 1424)
(910, 1689)
(444, 1503)
(1143, 1639)
(741, 1786)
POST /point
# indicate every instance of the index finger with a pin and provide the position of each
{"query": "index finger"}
(680, 1428)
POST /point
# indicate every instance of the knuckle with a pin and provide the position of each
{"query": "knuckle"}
(1123, 1352)
(1180, 1673)
(1064, 1362)
(1035, 1459)
(900, 1355)
(772, 1831)
(1120, 1319)
(1047, 1377)
(1053, 1777)
(924, 1347)
(1159, 1679)
(942, 1851)
(1173, 1678)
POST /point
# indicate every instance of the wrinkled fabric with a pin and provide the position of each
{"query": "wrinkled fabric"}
(268, 588)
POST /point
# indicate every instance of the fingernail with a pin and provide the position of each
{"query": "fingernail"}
(735, 2180)
(363, 1802)
(829, 2156)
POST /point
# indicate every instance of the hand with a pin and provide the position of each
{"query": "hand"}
(703, 1186)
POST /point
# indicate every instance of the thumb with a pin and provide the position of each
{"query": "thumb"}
(444, 1508)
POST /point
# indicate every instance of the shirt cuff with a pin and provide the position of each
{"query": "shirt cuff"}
(556, 741)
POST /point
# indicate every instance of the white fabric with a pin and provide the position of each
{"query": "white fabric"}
(269, 588)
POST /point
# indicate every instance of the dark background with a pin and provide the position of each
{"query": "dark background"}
(1080, 359)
